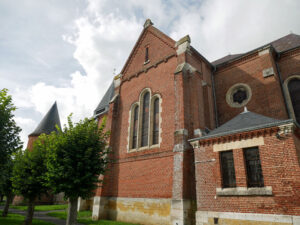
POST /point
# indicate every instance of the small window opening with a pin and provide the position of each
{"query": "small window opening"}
(147, 54)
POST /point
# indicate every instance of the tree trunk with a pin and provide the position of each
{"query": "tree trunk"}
(30, 211)
(1, 198)
(72, 211)
(9, 199)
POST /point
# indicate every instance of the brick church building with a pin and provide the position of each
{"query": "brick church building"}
(199, 142)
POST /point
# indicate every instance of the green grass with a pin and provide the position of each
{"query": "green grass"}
(41, 207)
(85, 217)
(15, 219)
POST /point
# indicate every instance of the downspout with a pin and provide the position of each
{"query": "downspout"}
(214, 95)
(281, 86)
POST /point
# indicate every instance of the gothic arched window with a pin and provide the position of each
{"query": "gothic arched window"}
(144, 122)
(155, 122)
(145, 119)
(135, 127)
(294, 91)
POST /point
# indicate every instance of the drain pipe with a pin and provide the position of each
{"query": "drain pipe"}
(281, 87)
(214, 95)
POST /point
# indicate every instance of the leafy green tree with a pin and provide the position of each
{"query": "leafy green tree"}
(9, 132)
(77, 155)
(9, 143)
(6, 185)
(29, 175)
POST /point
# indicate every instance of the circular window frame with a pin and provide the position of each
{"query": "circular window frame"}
(233, 89)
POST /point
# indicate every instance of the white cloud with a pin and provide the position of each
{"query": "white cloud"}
(105, 32)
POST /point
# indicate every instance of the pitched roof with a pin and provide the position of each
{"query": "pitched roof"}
(104, 103)
(48, 123)
(245, 121)
(148, 28)
(226, 58)
(283, 44)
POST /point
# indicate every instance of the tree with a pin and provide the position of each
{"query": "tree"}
(9, 132)
(77, 155)
(6, 185)
(9, 143)
(29, 175)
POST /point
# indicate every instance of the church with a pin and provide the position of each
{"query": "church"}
(199, 142)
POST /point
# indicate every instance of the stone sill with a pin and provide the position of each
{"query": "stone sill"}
(244, 191)
(146, 62)
(144, 148)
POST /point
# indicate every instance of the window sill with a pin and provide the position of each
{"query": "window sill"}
(244, 191)
(144, 148)
(146, 62)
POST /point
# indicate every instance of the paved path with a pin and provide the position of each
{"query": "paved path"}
(41, 215)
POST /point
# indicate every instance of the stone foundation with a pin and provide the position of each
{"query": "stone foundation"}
(228, 218)
(147, 211)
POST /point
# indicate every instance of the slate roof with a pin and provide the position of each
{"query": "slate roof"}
(283, 44)
(245, 121)
(104, 103)
(48, 123)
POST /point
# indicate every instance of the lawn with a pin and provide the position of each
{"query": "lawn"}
(41, 207)
(85, 217)
(15, 219)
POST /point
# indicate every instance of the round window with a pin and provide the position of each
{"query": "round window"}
(238, 95)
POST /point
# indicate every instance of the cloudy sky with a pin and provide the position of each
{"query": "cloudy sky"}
(68, 51)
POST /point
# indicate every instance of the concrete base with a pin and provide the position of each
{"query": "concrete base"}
(84, 204)
(230, 218)
(181, 212)
(146, 211)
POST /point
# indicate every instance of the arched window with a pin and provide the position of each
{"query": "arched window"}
(144, 122)
(294, 91)
(145, 119)
(155, 122)
(135, 127)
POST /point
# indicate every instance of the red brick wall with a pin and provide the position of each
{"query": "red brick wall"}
(267, 98)
(147, 173)
(281, 171)
(31, 140)
(289, 64)
(159, 46)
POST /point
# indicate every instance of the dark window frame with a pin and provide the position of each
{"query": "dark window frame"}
(227, 170)
(147, 54)
(155, 122)
(145, 120)
(135, 127)
(254, 173)
(294, 92)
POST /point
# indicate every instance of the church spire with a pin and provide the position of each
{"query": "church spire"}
(48, 123)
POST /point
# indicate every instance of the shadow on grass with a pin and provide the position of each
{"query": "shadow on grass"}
(85, 217)
(15, 219)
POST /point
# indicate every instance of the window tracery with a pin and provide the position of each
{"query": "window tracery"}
(144, 123)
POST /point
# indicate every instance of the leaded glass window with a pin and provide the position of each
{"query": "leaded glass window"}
(155, 133)
(135, 127)
(253, 167)
(145, 120)
(294, 89)
(227, 169)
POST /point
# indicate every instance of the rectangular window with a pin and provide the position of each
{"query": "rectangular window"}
(147, 54)
(253, 167)
(227, 169)
(155, 121)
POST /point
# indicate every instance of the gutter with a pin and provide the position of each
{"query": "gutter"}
(214, 96)
(281, 85)
(273, 124)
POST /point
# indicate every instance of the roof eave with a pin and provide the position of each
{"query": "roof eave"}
(257, 127)
(247, 54)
